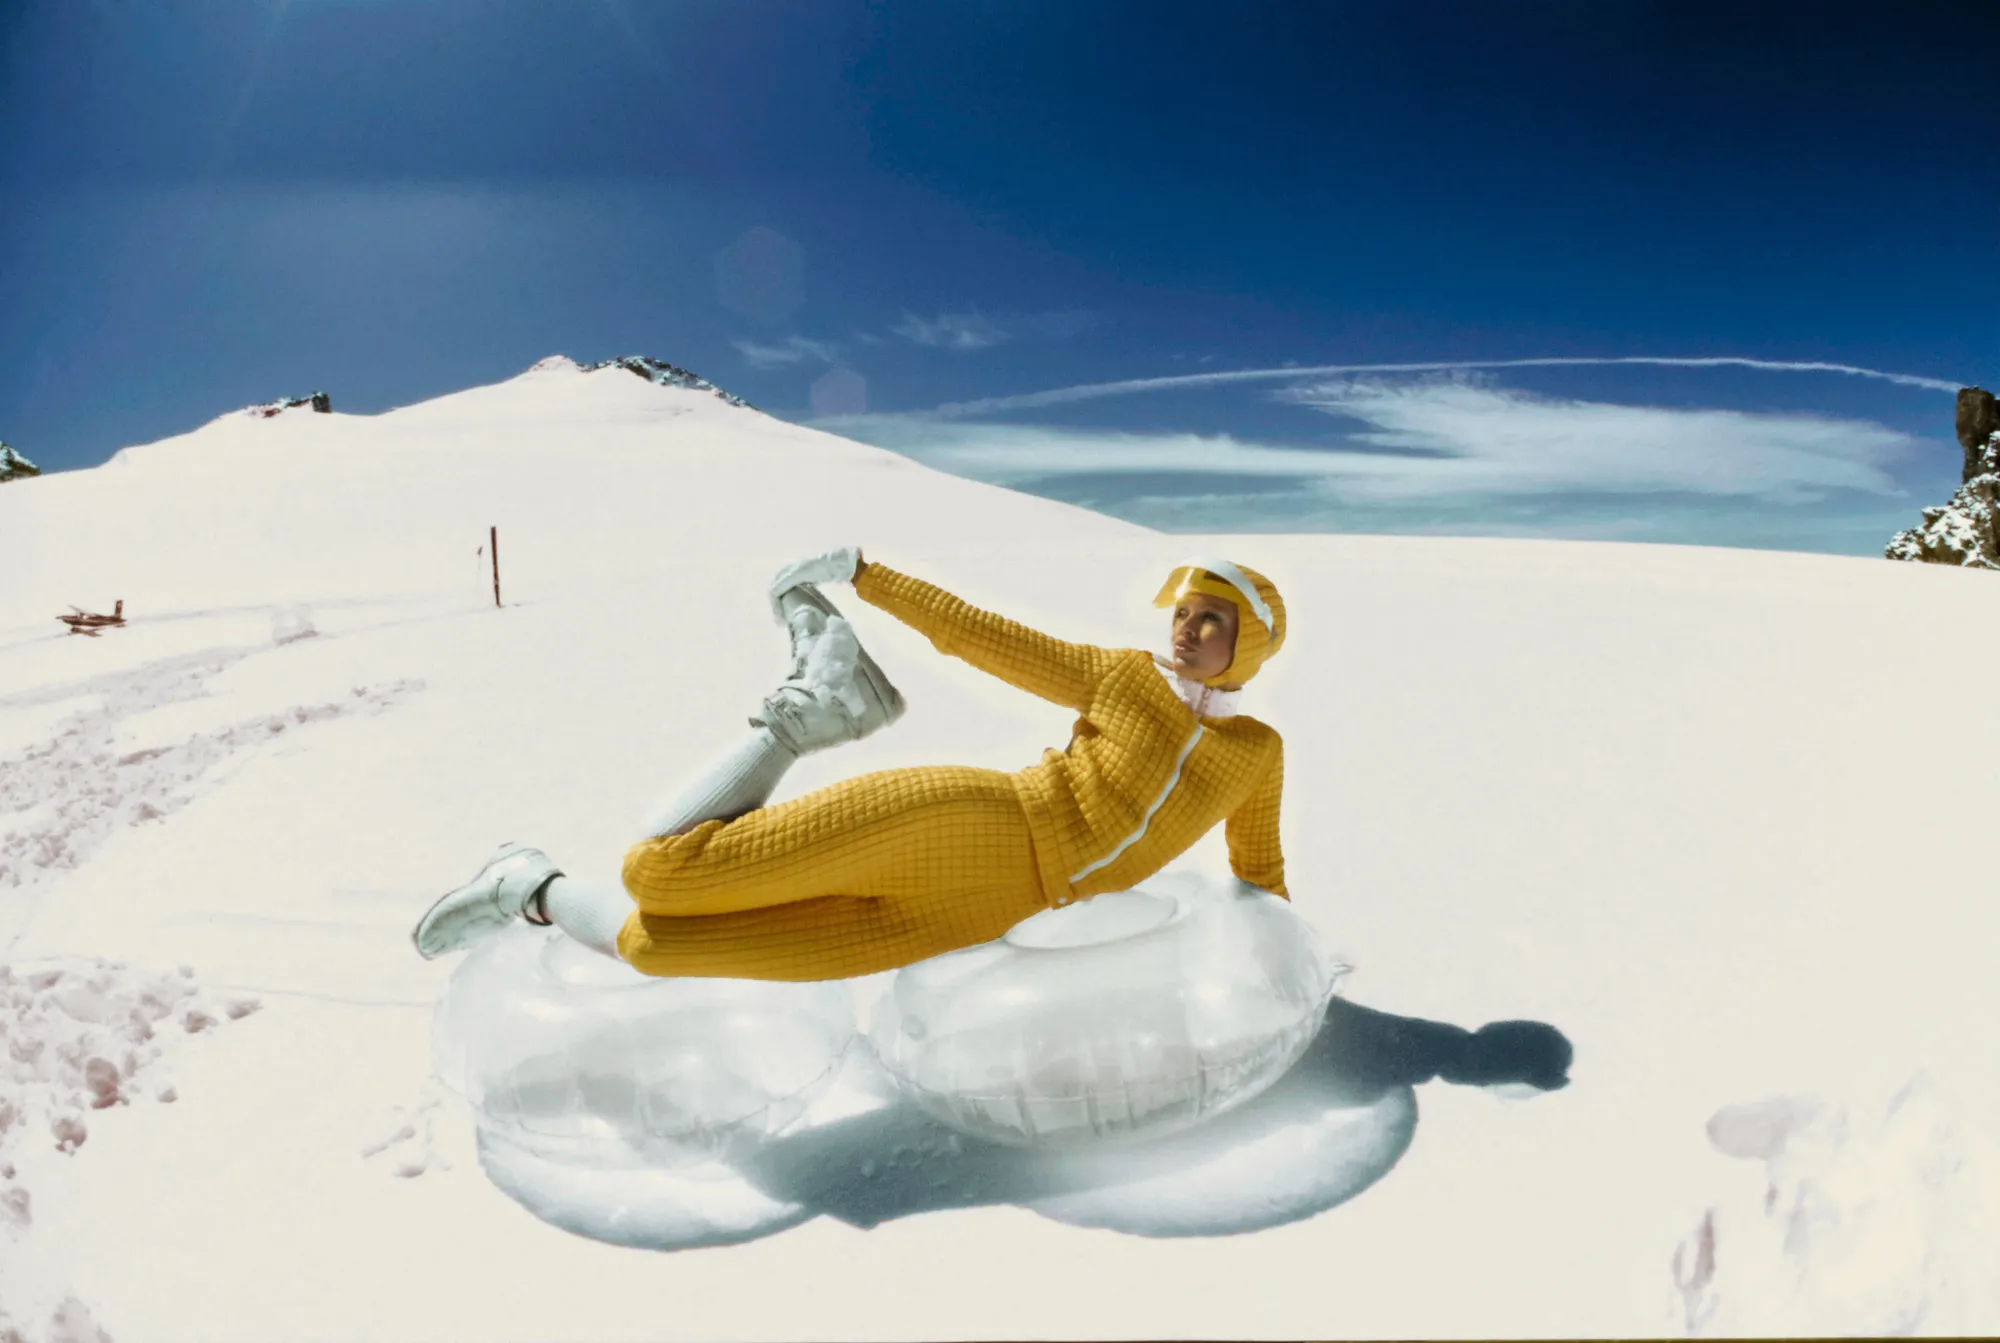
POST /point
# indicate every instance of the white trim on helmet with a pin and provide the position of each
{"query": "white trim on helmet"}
(1239, 580)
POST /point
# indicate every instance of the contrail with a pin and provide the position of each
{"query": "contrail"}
(1132, 387)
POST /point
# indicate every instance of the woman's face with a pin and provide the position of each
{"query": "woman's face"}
(1204, 638)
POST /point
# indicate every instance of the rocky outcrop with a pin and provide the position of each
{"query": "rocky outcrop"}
(663, 373)
(13, 466)
(1963, 531)
(319, 401)
(1978, 421)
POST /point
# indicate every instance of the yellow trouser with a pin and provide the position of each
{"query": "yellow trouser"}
(865, 875)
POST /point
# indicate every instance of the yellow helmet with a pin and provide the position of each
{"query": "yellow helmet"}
(1260, 612)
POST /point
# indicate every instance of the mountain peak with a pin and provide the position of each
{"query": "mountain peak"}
(652, 370)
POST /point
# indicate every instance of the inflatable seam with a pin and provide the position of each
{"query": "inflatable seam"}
(1173, 781)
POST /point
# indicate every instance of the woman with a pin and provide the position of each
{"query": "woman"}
(898, 866)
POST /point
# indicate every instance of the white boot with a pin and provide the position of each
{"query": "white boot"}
(496, 897)
(836, 692)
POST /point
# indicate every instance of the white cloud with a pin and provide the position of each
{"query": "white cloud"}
(978, 331)
(791, 350)
(1010, 453)
(1438, 441)
(1292, 372)
(1312, 512)
(951, 330)
(1478, 440)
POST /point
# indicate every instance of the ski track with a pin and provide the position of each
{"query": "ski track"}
(62, 799)
(81, 1033)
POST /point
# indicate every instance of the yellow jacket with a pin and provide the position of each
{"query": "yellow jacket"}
(1142, 779)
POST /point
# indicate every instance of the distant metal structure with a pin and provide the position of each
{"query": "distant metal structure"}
(493, 539)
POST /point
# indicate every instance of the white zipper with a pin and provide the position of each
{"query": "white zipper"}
(1147, 819)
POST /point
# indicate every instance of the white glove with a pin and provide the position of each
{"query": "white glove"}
(836, 566)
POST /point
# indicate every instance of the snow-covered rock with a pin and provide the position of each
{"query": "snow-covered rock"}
(13, 466)
(653, 370)
(265, 410)
(1962, 531)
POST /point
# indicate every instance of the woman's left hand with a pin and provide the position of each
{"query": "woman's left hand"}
(835, 566)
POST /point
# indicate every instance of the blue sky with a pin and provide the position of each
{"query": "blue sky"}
(912, 222)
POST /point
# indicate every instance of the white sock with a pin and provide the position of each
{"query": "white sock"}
(740, 782)
(589, 912)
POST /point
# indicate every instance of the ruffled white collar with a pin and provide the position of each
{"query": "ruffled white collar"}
(1205, 701)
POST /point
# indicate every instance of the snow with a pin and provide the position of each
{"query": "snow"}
(1875, 1217)
(1705, 811)
(83, 1036)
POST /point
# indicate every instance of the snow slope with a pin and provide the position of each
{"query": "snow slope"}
(1707, 812)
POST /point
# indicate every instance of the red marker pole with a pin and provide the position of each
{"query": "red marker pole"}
(493, 539)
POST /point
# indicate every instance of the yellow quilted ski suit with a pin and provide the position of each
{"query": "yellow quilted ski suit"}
(894, 867)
